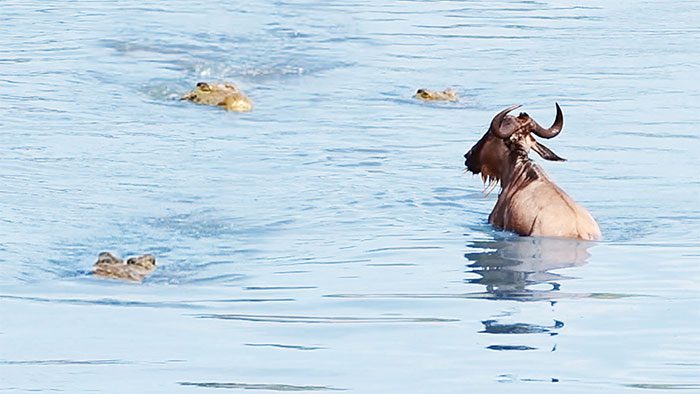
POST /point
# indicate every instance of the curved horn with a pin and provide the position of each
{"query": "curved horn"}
(552, 131)
(495, 127)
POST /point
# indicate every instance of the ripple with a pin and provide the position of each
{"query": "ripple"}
(293, 347)
(663, 386)
(64, 362)
(244, 300)
(164, 90)
(255, 288)
(206, 223)
(105, 302)
(193, 304)
(523, 295)
(323, 319)
(397, 248)
(15, 60)
(283, 64)
(260, 386)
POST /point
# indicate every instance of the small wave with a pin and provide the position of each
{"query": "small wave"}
(185, 304)
(514, 295)
(223, 71)
(277, 345)
(323, 319)
(64, 362)
(15, 60)
(156, 47)
(237, 300)
(105, 302)
(663, 386)
(396, 248)
(208, 223)
(260, 386)
(279, 287)
(164, 90)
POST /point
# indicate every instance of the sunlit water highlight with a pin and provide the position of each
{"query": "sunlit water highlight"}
(330, 240)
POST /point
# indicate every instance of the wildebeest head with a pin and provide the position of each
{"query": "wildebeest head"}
(507, 133)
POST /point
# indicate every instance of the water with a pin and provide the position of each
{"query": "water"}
(330, 240)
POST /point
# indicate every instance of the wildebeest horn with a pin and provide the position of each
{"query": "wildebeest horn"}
(497, 128)
(552, 131)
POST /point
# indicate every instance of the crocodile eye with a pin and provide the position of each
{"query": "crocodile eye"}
(203, 86)
(420, 91)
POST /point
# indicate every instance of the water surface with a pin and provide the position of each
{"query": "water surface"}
(330, 240)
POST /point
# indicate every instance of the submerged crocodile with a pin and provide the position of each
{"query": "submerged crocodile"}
(133, 269)
(433, 95)
(225, 95)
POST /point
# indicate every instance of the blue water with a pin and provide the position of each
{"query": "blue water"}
(330, 239)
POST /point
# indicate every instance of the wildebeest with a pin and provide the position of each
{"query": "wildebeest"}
(529, 203)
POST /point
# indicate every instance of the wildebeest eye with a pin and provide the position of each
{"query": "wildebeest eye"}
(204, 86)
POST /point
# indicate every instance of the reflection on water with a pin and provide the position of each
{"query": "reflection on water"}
(510, 268)
(493, 327)
(510, 347)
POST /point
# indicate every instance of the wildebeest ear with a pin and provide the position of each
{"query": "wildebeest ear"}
(546, 153)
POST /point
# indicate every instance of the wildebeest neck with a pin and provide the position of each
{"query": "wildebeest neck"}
(521, 170)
